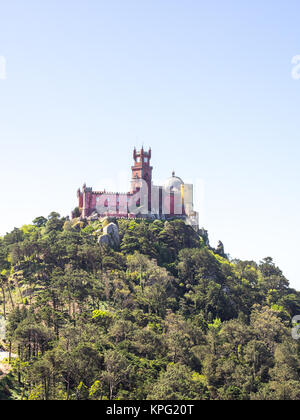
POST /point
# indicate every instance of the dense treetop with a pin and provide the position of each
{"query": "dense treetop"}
(164, 316)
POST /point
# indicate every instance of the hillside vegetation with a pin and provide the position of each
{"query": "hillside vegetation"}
(165, 316)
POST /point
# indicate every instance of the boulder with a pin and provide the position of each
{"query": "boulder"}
(110, 236)
(113, 231)
(104, 240)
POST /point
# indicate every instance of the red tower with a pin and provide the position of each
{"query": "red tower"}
(142, 170)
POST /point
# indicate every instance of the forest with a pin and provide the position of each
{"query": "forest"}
(163, 316)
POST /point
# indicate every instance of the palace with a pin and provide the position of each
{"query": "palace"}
(144, 200)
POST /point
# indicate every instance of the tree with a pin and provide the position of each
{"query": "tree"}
(40, 221)
(272, 275)
(116, 371)
(179, 338)
(178, 382)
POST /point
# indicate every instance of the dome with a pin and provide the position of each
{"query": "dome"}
(173, 183)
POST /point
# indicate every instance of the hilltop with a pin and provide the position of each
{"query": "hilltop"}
(159, 314)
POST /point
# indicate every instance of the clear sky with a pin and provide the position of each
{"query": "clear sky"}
(207, 84)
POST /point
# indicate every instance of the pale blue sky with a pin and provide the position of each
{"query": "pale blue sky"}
(206, 83)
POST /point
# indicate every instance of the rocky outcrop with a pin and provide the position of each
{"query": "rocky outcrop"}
(220, 250)
(110, 236)
(105, 240)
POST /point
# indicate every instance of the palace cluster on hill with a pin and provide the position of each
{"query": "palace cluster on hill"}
(144, 200)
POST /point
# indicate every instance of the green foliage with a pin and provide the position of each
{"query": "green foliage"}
(165, 316)
(40, 221)
(178, 382)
